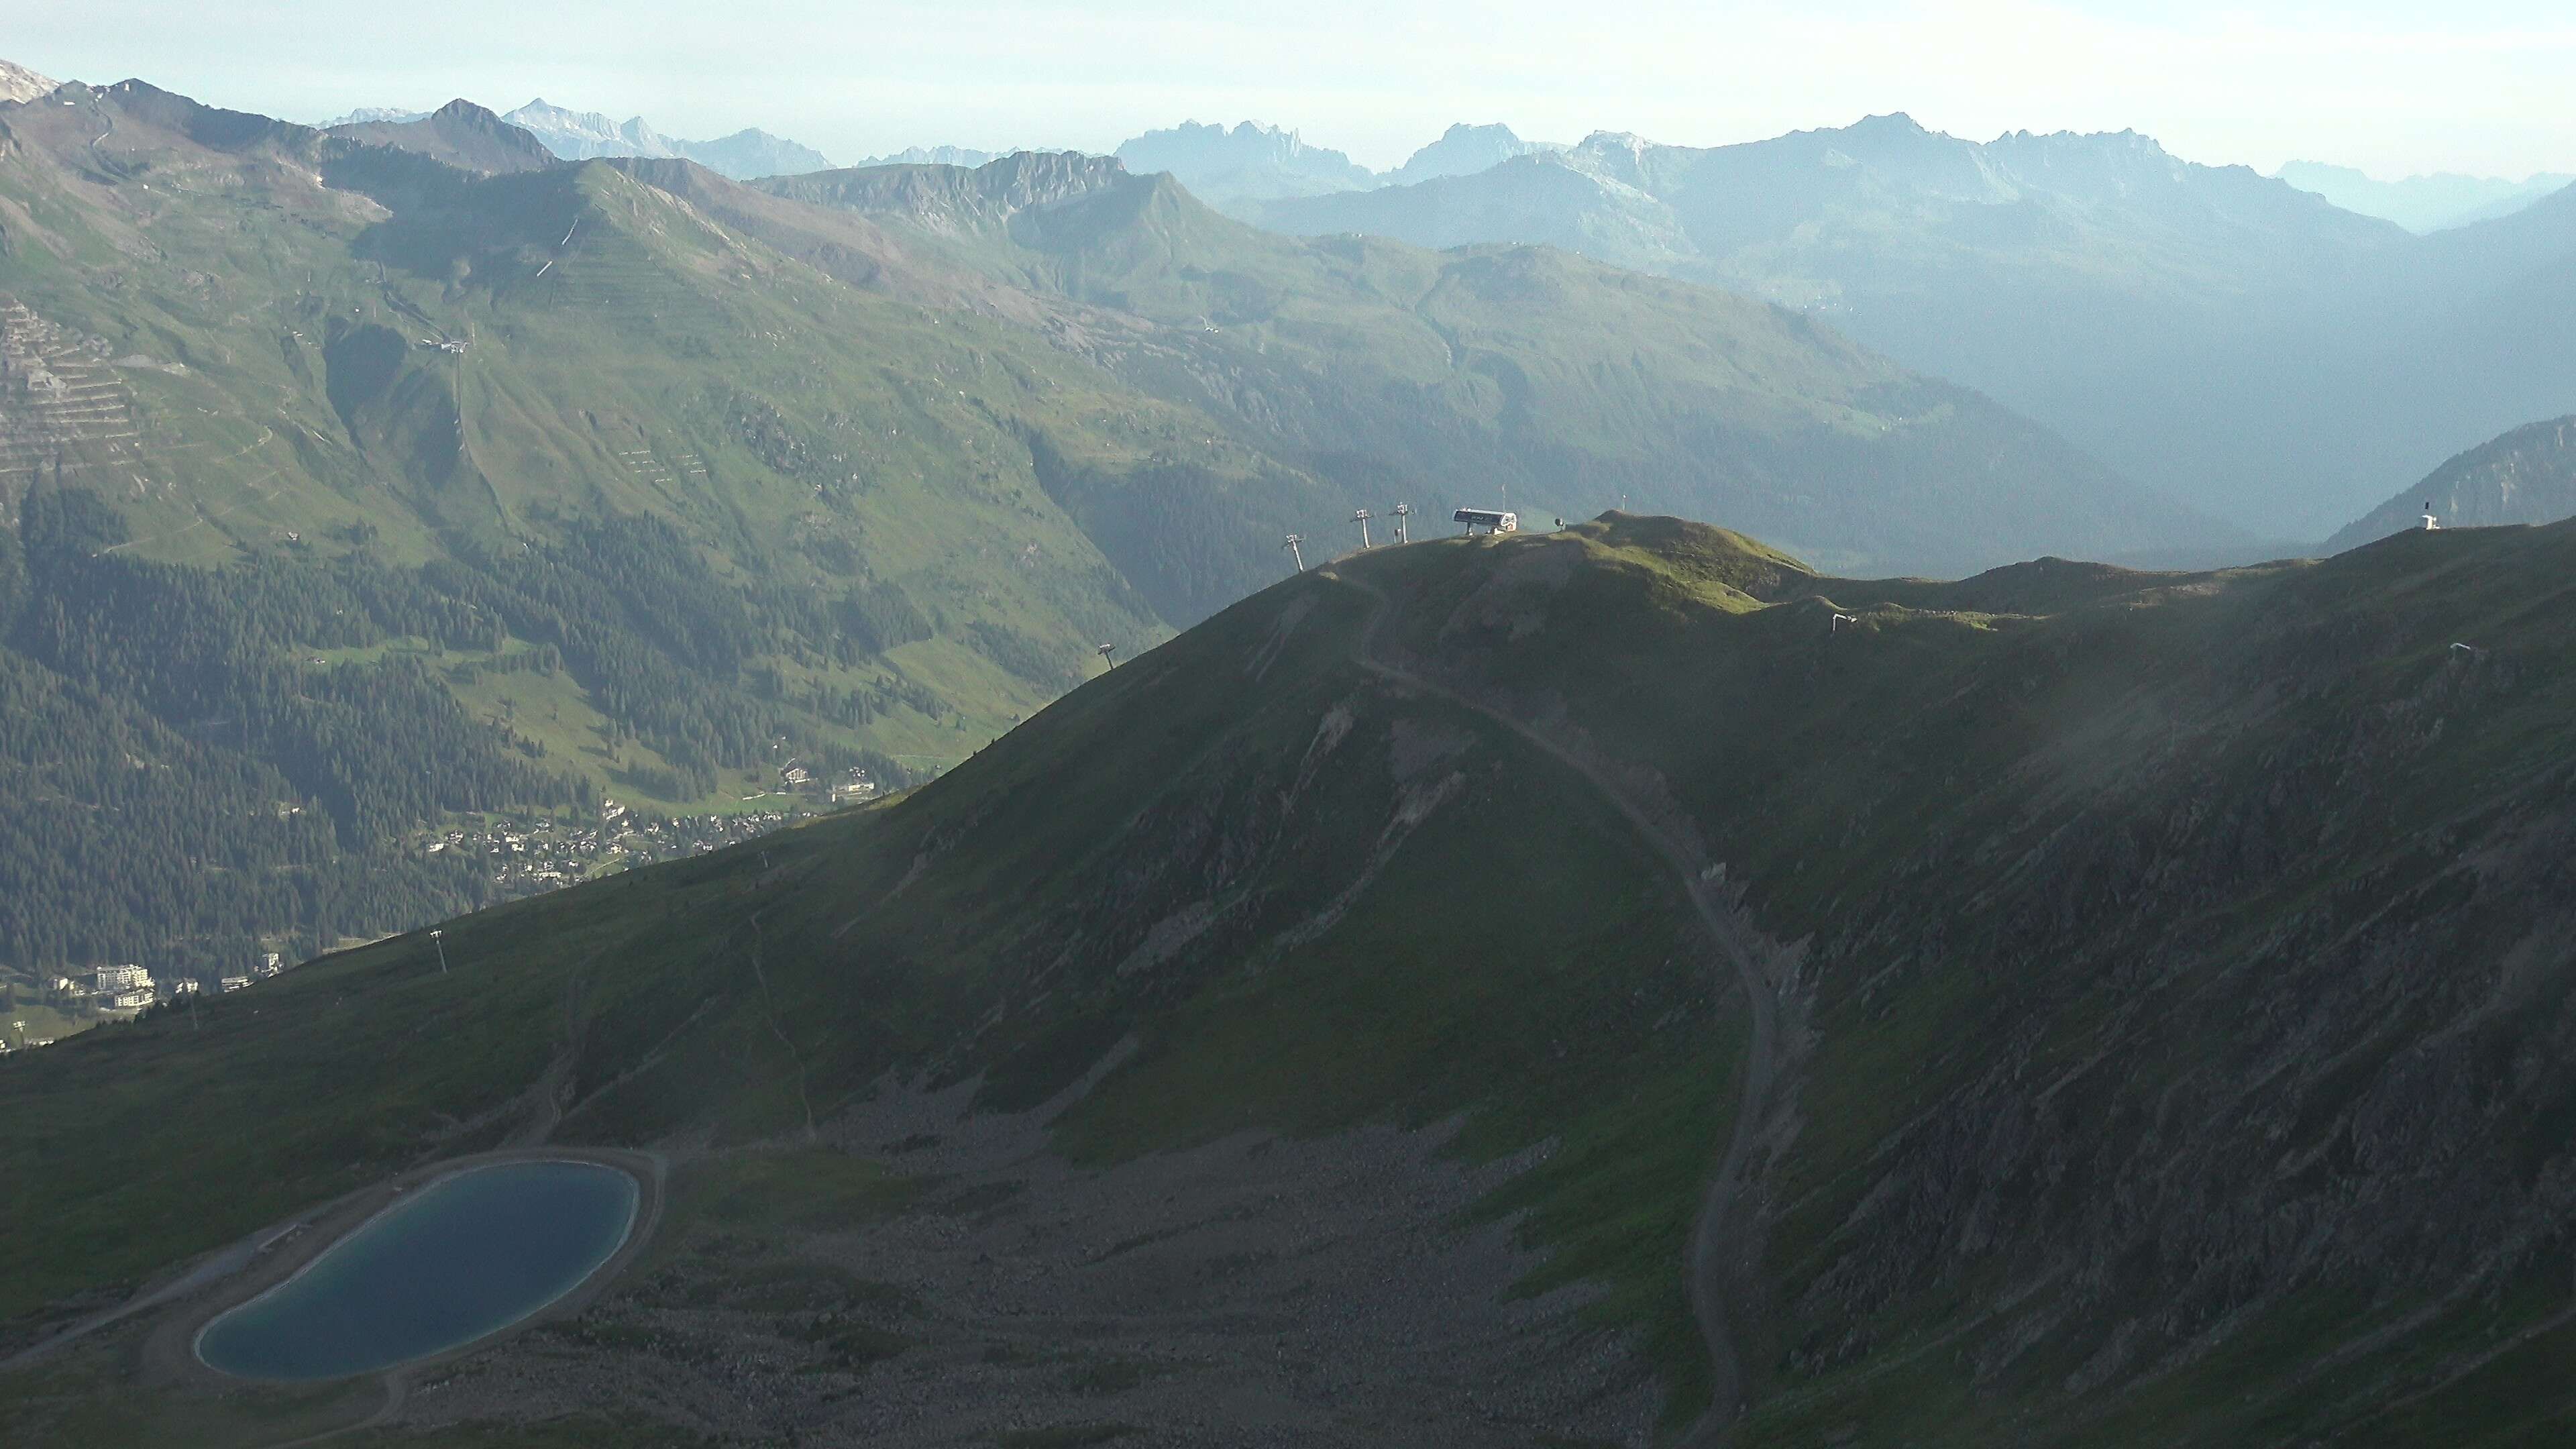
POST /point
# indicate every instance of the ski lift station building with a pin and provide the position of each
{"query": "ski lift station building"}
(1489, 520)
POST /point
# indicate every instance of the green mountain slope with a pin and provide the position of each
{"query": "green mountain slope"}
(625, 482)
(2078, 1006)
(1459, 378)
(2526, 476)
(652, 509)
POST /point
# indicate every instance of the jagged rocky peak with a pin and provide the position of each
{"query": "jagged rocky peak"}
(1898, 140)
(19, 84)
(1034, 178)
(578, 135)
(1248, 163)
(1464, 150)
(754, 152)
(2105, 152)
(581, 135)
(957, 199)
(1614, 155)
(966, 156)
(1893, 123)
(375, 116)
(1246, 141)
(460, 133)
(461, 111)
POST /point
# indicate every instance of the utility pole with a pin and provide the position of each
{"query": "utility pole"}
(1295, 552)
(1107, 656)
(439, 939)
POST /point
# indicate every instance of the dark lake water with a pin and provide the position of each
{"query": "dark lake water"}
(456, 1260)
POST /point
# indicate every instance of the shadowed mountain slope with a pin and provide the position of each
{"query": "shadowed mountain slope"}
(2083, 1006)
(461, 134)
(2526, 476)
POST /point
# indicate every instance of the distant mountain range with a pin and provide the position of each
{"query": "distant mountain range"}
(2422, 203)
(1237, 169)
(581, 135)
(460, 133)
(584, 135)
(1250, 163)
(2262, 352)
(1463, 150)
(932, 156)
(2248, 346)
(616, 477)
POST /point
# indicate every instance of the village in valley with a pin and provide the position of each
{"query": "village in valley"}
(521, 855)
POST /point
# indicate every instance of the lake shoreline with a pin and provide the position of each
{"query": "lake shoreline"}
(286, 1248)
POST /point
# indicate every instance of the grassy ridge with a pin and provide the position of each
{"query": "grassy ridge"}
(2025, 830)
(812, 476)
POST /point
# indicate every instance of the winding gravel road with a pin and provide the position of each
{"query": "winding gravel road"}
(1717, 1256)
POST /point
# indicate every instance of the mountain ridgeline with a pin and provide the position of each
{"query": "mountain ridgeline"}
(627, 480)
(2239, 342)
(2423, 203)
(560, 134)
(1506, 375)
(1607, 986)
(2526, 476)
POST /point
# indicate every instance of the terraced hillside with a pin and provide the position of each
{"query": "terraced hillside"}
(1594, 988)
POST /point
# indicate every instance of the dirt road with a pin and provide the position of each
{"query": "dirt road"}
(1719, 1254)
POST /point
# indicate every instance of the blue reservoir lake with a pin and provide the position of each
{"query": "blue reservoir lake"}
(465, 1256)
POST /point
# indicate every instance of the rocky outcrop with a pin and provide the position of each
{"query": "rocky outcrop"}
(19, 84)
(460, 133)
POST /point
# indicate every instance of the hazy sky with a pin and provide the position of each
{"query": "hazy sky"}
(2390, 87)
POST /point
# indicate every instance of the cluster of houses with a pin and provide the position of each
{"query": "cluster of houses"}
(796, 778)
(119, 992)
(522, 858)
(526, 858)
(531, 857)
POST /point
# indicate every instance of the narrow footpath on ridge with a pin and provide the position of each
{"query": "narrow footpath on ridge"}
(1715, 1252)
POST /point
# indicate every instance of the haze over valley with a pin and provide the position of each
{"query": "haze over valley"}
(1847, 786)
(2216, 334)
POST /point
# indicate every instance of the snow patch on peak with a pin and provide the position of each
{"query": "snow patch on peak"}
(376, 116)
(19, 84)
